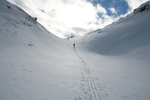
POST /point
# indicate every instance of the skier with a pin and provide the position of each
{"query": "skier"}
(74, 46)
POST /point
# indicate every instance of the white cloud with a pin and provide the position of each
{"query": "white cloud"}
(134, 4)
(101, 9)
(64, 17)
(113, 10)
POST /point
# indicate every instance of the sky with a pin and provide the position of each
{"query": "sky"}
(65, 18)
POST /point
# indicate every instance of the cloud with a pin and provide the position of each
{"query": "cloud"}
(78, 29)
(60, 15)
(113, 10)
(64, 17)
(101, 9)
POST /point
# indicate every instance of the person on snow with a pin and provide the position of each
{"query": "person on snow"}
(74, 46)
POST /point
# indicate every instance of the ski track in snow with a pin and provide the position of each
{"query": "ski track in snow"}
(90, 80)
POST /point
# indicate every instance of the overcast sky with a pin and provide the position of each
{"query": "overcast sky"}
(76, 17)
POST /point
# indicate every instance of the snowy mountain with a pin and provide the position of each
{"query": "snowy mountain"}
(106, 64)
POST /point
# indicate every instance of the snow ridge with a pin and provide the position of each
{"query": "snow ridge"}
(143, 7)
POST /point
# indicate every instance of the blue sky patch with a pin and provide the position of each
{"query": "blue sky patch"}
(120, 6)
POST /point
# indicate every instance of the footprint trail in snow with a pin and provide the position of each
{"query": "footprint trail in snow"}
(90, 81)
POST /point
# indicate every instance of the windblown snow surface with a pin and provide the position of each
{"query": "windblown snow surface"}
(107, 64)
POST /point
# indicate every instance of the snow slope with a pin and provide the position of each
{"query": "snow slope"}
(121, 37)
(119, 57)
